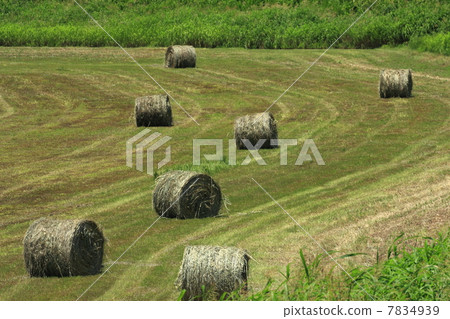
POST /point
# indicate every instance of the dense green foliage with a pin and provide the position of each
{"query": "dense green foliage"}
(226, 23)
(438, 43)
(419, 273)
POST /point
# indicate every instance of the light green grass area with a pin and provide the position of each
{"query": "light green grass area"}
(438, 43)
(66, 115)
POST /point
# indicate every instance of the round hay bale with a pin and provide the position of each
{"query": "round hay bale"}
(63, 248)
(180, 56)
(154, 110)
(218, 269)
(184, 194)
(254, 128)
(395, 83)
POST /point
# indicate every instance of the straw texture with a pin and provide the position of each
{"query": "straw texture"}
(63, 248)
(180, 56)
(395, 83)
(154, 110)
(218, 269)
(186, 194)
(254, 128)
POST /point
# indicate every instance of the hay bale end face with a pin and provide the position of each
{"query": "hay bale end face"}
(180, 56)
(185, 194)
(395, 83)
(154, 110)
(254, 128)
(218, 269)
(63, 248)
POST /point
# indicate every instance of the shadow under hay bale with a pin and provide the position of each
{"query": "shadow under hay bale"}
(395, 83)
(154, 110)
(218, 269)
(63, 248)
(185, 194)
(180, 56)
(256, 127)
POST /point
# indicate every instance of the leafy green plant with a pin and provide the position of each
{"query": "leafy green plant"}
(408, 273)
(419, 274)
(437, 43)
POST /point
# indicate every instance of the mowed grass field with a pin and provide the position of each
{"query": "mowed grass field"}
(66, 114)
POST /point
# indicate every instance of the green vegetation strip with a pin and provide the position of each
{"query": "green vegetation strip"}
(279, 24)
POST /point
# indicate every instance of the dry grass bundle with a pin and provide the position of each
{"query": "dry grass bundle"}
(254, 128)
(154, 110)
(218, 269)
(395, 83)
(63, 248)
(180, 56)
(184, 194)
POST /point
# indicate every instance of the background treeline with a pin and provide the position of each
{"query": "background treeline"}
(272, 24)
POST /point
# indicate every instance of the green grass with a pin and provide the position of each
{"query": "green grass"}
(205, 167)
(280, 24)
(67, 113)
(421, 274)
(414, 270)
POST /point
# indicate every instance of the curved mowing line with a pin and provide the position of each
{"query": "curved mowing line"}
(9, 110)
(354, 177)
(205, 232)
(58, 172)
(62, 171)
